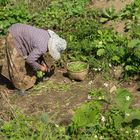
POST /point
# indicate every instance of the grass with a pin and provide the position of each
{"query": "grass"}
(75, 24)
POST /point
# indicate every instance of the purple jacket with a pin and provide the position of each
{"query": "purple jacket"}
(31, 42)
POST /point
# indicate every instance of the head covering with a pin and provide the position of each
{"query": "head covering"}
(56, 45)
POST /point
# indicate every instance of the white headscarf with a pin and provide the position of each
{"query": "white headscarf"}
(56, 45)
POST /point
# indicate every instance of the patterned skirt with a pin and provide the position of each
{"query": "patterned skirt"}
(15, 68)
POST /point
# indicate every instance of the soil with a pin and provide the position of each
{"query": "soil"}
(118, 26)
(118, 5)
(59, 96)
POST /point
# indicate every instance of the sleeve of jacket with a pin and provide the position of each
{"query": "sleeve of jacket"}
(33, 57)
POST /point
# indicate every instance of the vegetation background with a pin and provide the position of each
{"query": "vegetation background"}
(83, 26)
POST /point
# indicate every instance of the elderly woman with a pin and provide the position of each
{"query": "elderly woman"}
(25, 47)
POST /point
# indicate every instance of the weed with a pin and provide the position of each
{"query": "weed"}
(23, 128)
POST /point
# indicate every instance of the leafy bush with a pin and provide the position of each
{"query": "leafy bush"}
(102, 119)
(108, 14)
(29, 128)
(77, 66)
(135, 31)
(131, 11)
(13, 14)
(3, 2)
(132, 57)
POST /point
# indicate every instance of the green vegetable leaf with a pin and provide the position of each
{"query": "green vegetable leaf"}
(40, 74)
(116, 59)
(87, 114)
(102, 20)
(101, 52)
(123, 99)
(134, 43)
(132, 115)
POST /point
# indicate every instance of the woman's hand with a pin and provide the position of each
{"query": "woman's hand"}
(44, 68)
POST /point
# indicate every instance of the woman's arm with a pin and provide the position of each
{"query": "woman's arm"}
(32, 60)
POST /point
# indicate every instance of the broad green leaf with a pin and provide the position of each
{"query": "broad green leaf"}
(102, 20)
(123, 99)
(87, 115)
(101, 52)
(130, 68)
(118, 119)
(132, 115)
(116, 59)
(134, 43)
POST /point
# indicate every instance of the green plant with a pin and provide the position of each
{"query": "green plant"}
(3, 2)
(58, 12)
(24, 127)
(40, 74)
(135, 30)
(132, 57)
(102, 119)
(108, 14)
(131, 11)
(13, 14)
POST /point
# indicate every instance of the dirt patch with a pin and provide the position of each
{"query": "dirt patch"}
(58, 96)
(118, 26)
(117, 4)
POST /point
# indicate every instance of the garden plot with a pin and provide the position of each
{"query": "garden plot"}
(59, 96)
(104, 105)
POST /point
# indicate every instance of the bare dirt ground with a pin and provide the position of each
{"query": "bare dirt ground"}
(59, 96)
(118, 5)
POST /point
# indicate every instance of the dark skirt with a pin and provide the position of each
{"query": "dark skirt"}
(15, 68)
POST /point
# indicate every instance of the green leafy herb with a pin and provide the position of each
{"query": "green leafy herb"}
(40, 74)
(77, 66)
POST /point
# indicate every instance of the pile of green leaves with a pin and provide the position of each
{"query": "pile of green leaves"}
(77, 66)
(40, 74)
